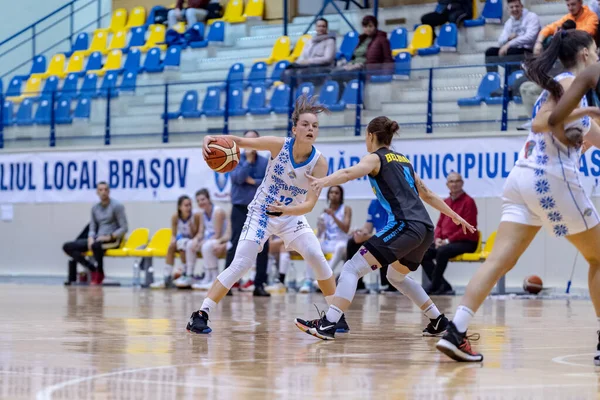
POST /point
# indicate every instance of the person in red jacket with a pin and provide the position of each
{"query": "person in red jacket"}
(450, 241)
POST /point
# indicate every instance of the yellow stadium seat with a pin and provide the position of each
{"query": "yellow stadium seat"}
(298, 48)
(137, 17)
(75, 64)
(56, 67)
(117, 21)
(179, 27)
(281, 51)
(99, 42)
(489, 245)
(139, 237)
(234, 12)
(158, 246)
(113, 61)
(297, 257)
(32, 88)
(255, 9)
(118, 41)
(157, 35)
(422, 38)
(475, 256)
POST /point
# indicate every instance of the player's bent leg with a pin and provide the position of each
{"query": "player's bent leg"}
(308, 246)
(397, 276)
(512, 240)
(588, 244)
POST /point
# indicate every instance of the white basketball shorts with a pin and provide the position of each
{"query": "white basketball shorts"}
(533, 197)
(259, 227)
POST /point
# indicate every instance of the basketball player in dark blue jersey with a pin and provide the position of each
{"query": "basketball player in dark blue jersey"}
(401, 244)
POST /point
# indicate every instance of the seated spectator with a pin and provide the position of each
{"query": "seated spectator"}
(455, 11)
(184, 227)
(108, 226)
(517, 38)
(584, 18)
(376, 220)
(195, 12)
(373, 53)
(317, 57)
(450, 240)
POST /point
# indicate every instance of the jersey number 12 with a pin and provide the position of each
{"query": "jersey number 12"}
(286, 200)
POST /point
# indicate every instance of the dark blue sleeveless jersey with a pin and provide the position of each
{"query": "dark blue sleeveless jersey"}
(396, 189)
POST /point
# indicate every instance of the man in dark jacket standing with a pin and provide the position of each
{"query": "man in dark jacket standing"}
(455, 11)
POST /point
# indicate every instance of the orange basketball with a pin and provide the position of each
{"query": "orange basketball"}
(224, 156)
(533, 284)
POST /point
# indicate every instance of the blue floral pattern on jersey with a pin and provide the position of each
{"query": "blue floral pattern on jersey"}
(561, 230)
(539, 172)
(554, 216)
(263, 222)
(542, 160)
(542, 145)
(547, 202)
(278, 169)
(542, 186)
(269, 199)
(273, 190)
(260, 234)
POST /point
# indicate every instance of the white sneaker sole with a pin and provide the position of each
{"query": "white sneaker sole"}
(427, 334)
(454, 353)
(312, 332)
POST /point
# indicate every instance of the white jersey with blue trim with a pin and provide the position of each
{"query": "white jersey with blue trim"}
(285, 180)
(545, 153)
(332, 231)
(185, 228)
(209, 223)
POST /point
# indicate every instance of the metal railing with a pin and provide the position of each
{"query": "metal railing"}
(355, 109)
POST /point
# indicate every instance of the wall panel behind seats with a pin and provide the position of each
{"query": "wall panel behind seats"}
(129, 4)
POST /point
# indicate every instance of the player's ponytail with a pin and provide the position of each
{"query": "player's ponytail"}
(384, 129)
(565, 46)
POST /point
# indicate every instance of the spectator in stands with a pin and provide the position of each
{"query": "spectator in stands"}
(450, 240)
(584, 18)
(318, 55)
(376, 220)
(195, 11)
(455, 11)
(108, 226)
(517, 38)
(245, 179)
(373, 53)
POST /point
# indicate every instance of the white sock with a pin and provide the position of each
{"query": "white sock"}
(208, 305)
(329, 300)
(432, 312)
(334, 314)
(168, 272)
(462, 318)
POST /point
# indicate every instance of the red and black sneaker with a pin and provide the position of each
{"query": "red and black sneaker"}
(457, 346)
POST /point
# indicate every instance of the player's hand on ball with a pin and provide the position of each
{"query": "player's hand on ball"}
(465, 225)
(276, 209)
(315, 184)
(205, 149)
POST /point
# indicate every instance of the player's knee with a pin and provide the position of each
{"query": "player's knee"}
(316, 260)
(593, 261)
(97, 246)
(395, 277)
(173, 246)
(358, 266)
(207, 246)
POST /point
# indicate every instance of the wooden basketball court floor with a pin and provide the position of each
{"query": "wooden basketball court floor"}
(122, 343)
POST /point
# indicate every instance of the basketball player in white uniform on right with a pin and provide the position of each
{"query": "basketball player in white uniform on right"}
(278, 208)
(543, 189)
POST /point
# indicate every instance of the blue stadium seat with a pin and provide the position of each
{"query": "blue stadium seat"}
(69, 88)
(62, 115)
(109, 83)
(235, 77)
(89, 86)
(152, 62)
(402, 63)
(350, 96)
(489, 83)
(50, 85)
(499, 99)
(24, 114)
(258, 74)
(381, 78)
(42, 114)
(38, 66)
(132, 63)
(172, 58)
(189, 105)
(448, 38)
(129, 82)
(216, 33)
(81, 43)
(398, 39)
(137, 38)
(14, 87)
(349, 43)
(330, 92)
(280, 99)
(307, 88)
(83, 108)
(492, 11)
(194, 34)
(211, 106)
(276, 73)
(236, 101)
(7, 113)
(152, 15)
(94, 62)
(257, 102)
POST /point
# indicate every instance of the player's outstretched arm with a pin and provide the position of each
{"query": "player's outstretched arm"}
(436, 202)
(368, 164)
(272, 144)
(585, 81)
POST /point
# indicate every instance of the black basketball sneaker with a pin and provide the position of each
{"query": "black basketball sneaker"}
(457, 346)
(320, 328)
(198, 323)
(436, 327)
(597, 358)
(342, 325)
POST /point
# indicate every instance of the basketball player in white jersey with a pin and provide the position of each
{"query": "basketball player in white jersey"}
(279, 207)
(184, 226)
(212, 242)
(543, 189)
